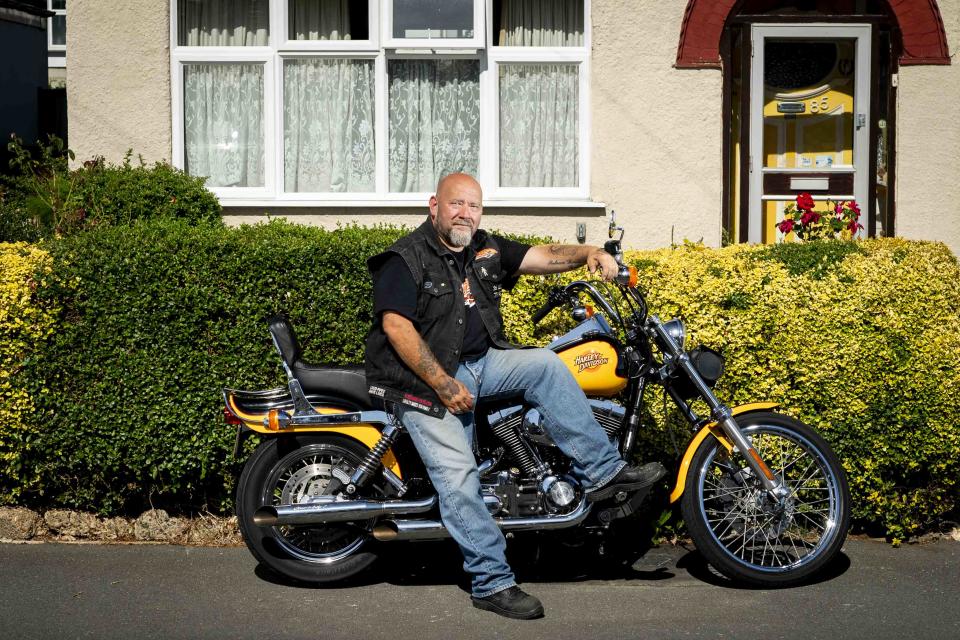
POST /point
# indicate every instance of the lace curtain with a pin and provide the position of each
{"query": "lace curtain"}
(541, 23)
(538, 125)
(223, 123)
(319, 19)
(328, 111)
(223, 23)
(434, 121)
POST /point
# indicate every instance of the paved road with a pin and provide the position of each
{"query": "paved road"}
(63, 591)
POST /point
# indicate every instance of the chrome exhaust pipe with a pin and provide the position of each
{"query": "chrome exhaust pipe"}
(332, 510)
(394, 530)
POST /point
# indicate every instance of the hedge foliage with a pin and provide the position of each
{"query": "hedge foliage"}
(860, 340)
(24, 325)
(44, 197)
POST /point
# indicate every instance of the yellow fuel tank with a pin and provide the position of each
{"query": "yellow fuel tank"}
(593, 362)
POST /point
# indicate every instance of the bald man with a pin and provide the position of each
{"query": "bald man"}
(437, 339)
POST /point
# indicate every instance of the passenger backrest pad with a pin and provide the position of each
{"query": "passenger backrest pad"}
(283, 335)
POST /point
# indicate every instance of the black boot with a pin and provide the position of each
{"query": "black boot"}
(511, 603)
(630, 478)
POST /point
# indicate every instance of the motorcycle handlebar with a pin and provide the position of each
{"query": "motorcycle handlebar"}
(542, 313)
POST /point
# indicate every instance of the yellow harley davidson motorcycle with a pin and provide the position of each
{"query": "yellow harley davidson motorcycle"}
(335, 477)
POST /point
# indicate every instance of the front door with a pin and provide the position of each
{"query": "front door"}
(809, 120)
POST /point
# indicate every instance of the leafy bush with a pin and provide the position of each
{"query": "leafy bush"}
(44, 197)
(157, 318)
(858, 339)
(24, 324)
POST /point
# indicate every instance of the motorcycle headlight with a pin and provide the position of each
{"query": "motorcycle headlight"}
(676, 330)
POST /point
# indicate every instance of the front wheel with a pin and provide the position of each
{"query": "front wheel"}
(291, 470)
(746, 534)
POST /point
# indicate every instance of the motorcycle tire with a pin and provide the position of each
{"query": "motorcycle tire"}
(739, 528)
(284, 471)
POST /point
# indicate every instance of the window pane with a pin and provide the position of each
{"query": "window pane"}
(539, 23)
(223, 123)
(328, 20)
(433, 18)
(538, 125)
(223, 23)
(328, 109)
(434, 121)
(59, 28)
(58, 4)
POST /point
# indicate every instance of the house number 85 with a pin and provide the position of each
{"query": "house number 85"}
(818, 105)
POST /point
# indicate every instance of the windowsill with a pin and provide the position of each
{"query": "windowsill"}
(409, 204)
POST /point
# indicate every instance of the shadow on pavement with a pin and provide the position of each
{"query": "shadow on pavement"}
(698, 567)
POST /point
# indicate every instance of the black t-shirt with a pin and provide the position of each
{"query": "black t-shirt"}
(394, 290)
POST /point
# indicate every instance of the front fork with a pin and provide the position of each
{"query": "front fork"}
(722, 415)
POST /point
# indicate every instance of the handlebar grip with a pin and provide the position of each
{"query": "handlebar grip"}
(542, 313)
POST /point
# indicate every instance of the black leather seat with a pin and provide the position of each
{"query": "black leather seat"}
(332, 381)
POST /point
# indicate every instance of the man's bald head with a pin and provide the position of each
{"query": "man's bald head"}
(456, 209)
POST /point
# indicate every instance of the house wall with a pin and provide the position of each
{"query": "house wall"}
(656, 143)
(657, 131)
(23, 70)
(928, 144)
(118, 79)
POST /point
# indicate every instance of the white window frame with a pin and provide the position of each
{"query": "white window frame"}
(381, 48)
(438, 44)
(55, 61)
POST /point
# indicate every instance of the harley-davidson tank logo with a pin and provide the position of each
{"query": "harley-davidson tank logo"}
(589, 361)
(485, 253)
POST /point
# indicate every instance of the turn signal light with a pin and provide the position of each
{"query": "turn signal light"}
(589, 310)
(230, 417)
(276, 420)
(273, 421)
(627, 276)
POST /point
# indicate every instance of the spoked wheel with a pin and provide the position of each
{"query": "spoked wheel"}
(294, 471)
(745, 533)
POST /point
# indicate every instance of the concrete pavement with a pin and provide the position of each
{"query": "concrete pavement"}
(62, 591)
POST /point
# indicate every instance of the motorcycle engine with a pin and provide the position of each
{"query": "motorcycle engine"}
(526, 485)
(609, 414)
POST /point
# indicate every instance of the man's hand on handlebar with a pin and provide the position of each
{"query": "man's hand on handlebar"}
(607, 264)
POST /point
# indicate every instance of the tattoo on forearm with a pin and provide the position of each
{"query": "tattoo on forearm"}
(563, 250)
(427, 365)
(564, 263)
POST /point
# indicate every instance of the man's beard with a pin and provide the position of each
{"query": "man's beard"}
(460, 236)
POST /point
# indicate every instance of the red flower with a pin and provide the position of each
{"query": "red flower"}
(786, 226)
(809, 217)
(856, 208)
(839, 208)
(805, 202)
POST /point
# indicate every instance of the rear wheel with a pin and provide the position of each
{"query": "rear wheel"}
(292, 470)
(746, 534)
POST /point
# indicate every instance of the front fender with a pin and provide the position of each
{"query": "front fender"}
(711, 429)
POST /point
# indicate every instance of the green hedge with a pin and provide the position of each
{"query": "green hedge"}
(858, 339)
(43, 197)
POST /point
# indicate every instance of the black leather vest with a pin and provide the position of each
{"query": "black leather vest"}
(440, 311)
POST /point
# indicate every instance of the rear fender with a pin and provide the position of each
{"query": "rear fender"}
(366, 434)
(711, 429)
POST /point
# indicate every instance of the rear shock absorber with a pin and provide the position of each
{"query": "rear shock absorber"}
(372, 461)
(507, 431)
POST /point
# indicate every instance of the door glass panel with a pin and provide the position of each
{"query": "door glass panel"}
(808, 117)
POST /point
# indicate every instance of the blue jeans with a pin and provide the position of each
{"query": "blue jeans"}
(446, 446)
